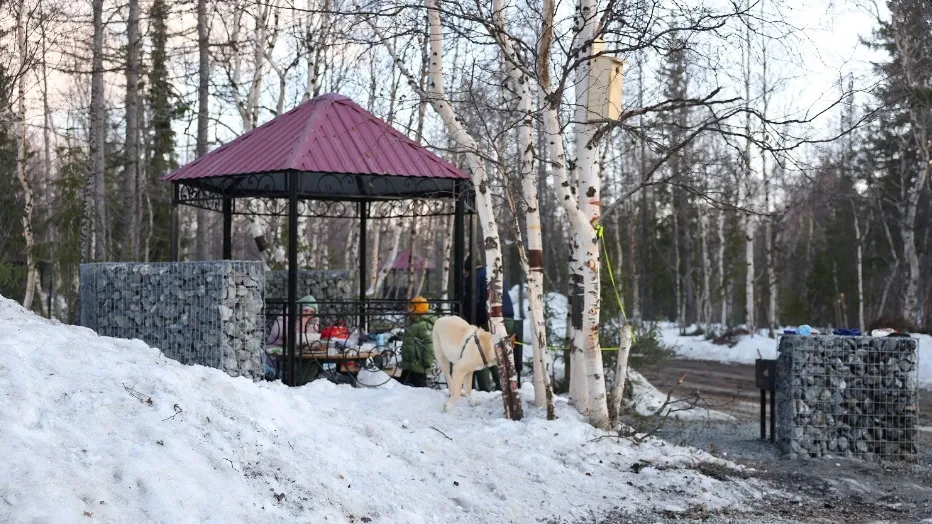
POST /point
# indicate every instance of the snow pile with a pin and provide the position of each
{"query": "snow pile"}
(746, 351)
(647, 400)
(111, 430)
(557, 309)
(750, 348)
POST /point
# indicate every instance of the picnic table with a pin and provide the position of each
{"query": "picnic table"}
(336, 357)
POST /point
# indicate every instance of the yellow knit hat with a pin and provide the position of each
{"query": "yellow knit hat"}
(419, 305)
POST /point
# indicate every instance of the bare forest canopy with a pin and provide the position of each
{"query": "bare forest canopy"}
(747, 180)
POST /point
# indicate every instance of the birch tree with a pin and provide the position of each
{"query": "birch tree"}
(22, 22)
(534, 258)
(909, 30)
(436, 95)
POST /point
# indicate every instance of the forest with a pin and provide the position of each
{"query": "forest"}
(746, 179)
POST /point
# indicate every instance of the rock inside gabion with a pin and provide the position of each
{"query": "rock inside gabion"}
(323, 284)
(207, 313)
(847, 397)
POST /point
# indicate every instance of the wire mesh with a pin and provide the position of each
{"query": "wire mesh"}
(206, 313)
(848, 396)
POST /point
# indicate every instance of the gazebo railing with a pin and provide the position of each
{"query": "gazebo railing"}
(345, 337)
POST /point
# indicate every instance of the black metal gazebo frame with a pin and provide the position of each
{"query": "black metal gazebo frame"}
(364, 197)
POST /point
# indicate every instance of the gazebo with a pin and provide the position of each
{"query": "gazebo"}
(327, 157)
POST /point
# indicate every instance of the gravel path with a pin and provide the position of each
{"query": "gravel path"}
(830, 491)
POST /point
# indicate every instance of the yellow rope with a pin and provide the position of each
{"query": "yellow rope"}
(600, 231)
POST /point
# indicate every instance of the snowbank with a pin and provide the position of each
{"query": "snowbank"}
(648, 400)
(111, 430)
(557, 309)
(750, 348)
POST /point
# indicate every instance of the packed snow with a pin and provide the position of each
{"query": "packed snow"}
(96, 429)
(647, 400)
(750, 348)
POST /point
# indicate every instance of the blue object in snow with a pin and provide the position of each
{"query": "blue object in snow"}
(845, 332)
(789, 331)
(804, 330)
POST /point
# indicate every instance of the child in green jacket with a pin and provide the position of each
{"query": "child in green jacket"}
(417, 352)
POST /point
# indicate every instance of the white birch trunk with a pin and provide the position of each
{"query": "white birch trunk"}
(580, 228)
(621, 371)
(543, 393)
(436, 94)
(447, 258)
(387, 266)
(491, 242)
(588, 188)
(860, 271)
(914, 189)
(374, 259)
(705, 300)
(31, 271)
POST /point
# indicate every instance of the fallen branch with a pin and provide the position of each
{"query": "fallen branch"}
(441, 432)
(137, 395)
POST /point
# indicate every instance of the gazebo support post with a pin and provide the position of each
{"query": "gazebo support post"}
(363, 278)
(227, 228)
(459, 248)
(474, 263)
(175, 234)
(292, 275)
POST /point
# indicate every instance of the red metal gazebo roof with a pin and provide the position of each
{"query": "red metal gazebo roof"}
(327, 134)
(405, 260)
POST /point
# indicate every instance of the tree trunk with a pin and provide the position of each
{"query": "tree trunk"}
(131, 164)
(374, 269)
(859, 244)
(412, 260)
(705, 301)
(584, 263)
(914, 78)
(749, 314)
(588, 186)
(621, 370)
(31, 272)
(98, 216)
(534, 259)
(387, 266)
(722, 286)
(677, 278)
(47, 168)
(447, 258)
(203, 78)
(483, 201)
(635, 273)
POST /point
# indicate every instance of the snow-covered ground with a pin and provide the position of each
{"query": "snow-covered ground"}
(96, 429)
(750, 348)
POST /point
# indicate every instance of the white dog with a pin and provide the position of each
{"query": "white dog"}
(468, 347)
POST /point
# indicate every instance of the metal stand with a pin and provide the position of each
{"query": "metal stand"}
(766, 380)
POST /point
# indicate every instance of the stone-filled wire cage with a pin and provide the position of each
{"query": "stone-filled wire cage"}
(206, 313)
(847, 397)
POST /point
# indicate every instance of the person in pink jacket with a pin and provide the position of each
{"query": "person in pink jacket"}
(308, 324)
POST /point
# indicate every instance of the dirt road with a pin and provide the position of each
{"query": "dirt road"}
(817, 491)
(730, 387)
